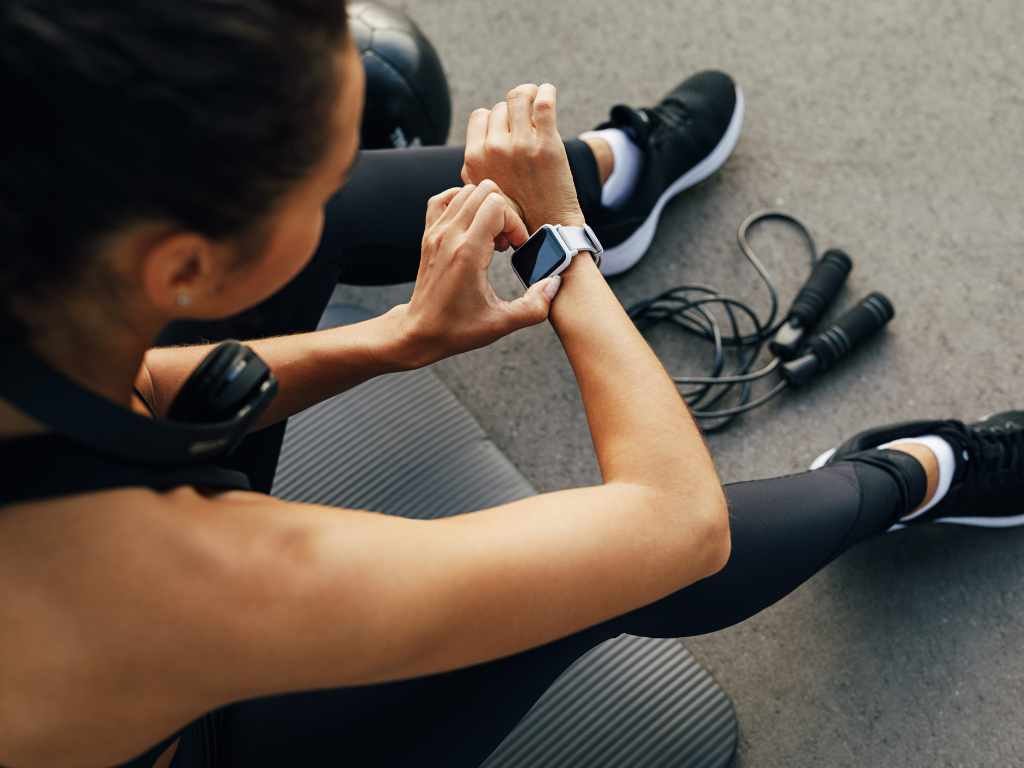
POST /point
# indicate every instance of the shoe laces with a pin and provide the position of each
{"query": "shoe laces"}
(673, 111)
(643, 122)
(997, 457)
(674, 115)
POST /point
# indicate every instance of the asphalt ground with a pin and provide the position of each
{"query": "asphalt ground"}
(894, 128)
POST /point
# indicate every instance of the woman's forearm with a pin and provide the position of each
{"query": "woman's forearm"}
(309, 367)
(642, 430)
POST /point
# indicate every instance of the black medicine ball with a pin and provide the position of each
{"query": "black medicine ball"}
(407, 99)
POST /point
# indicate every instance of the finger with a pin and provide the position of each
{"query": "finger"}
(533, 306)
(514, 229)
(497, 122)
(456, 204)
(501, 243)
(545, 108)
(476, 129)
(476, 136)
(495, 218)
(438, 203)
(463, 219)
(520, 109)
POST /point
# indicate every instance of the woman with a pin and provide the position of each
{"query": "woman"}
(174, 162)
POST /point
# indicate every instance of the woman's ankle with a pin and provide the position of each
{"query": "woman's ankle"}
(929, 463)
(603, 155)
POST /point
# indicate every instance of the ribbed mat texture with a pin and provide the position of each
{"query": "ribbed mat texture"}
(632, 701)
(403, 444)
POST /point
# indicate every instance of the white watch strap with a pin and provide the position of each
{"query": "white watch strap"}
(581, 239)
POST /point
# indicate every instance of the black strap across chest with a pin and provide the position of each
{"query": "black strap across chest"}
(49, 465)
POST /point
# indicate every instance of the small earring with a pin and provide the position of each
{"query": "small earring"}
(184, 299)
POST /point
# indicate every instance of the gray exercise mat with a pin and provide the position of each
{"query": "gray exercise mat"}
(404, 444)
(632, 701)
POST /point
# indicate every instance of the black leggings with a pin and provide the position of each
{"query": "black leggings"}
(783, 529)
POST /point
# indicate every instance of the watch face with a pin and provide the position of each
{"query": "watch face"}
(538, 257)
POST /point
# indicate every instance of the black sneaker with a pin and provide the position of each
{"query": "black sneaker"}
(684, 139)
(988, 485)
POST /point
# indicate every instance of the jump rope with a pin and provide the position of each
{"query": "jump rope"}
(796, 356)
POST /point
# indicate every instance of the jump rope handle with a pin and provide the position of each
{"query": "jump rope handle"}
(820, 290)
(863, 321)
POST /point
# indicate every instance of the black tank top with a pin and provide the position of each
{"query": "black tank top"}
(50, 465)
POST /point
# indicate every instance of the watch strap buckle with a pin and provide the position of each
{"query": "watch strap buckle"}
(581, 239)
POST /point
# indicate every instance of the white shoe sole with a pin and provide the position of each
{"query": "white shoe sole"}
(822, 460)
(1011, 521)
(640, 241)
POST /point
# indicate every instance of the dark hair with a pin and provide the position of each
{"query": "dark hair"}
(198, 112)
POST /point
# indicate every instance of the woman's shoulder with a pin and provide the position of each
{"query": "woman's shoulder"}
(113, 584)
(60, 532)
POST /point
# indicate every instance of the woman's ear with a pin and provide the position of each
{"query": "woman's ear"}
(181, 272)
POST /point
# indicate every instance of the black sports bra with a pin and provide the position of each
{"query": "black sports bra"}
(49, 465)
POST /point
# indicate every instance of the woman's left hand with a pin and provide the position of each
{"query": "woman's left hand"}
(517, 144)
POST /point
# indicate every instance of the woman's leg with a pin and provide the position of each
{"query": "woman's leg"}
(783, 531)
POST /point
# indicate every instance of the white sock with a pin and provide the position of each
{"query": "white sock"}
(947, 467)
(628, 162)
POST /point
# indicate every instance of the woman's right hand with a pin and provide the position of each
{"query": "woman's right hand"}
(454, 307)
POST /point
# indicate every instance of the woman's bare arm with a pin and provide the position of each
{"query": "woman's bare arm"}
(309, 367)
(642, 431)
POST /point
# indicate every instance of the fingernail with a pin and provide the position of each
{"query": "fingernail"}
(554, 283)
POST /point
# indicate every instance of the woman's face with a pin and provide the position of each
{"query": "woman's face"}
(292, 232)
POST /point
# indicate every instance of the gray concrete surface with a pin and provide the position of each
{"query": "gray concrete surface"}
(895, 129)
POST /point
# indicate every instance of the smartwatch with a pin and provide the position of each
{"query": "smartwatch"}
(550, 250)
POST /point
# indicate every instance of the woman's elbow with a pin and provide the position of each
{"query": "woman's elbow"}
(710, 519)
(719, 536)
(699, 521)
